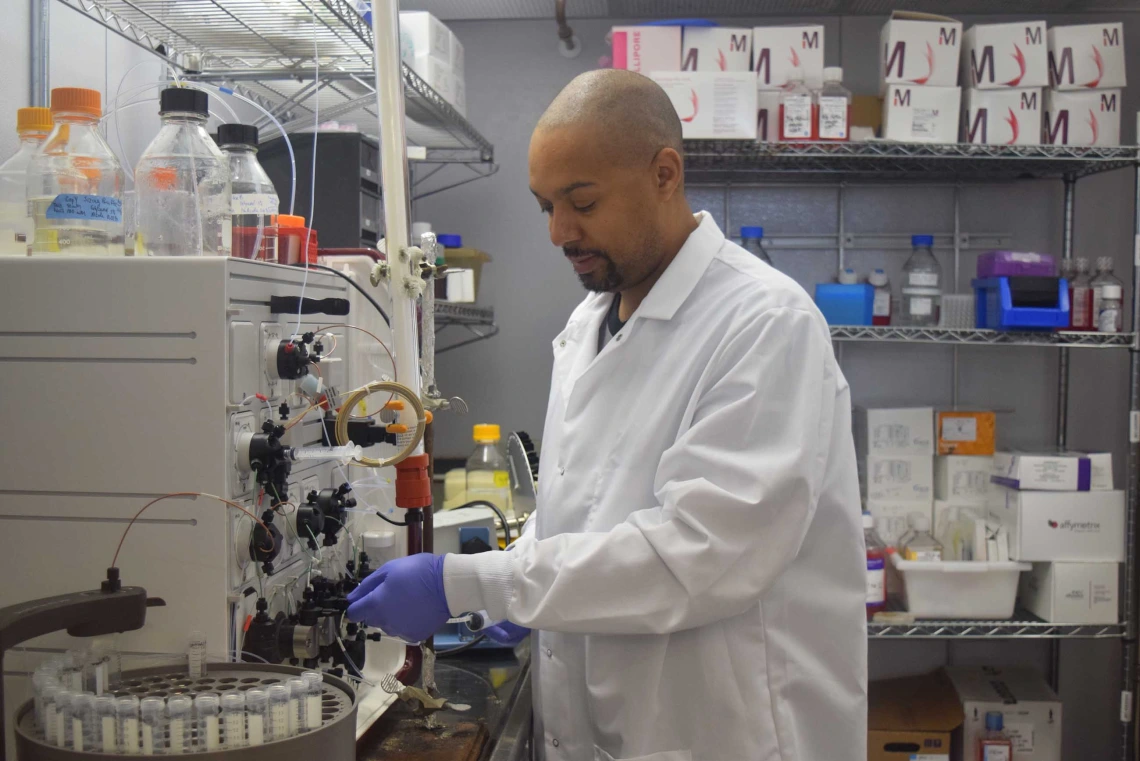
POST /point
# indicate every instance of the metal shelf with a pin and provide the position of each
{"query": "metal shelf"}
(479, 321)
(743, 160)
(264, 49)
(1022, 626)
(980, 337)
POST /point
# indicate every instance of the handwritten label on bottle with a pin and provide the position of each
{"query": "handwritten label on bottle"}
(254, 203)
(94, 208)
(797, 116)
(832, 118)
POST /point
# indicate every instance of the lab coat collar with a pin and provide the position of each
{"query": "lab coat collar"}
(682, 274)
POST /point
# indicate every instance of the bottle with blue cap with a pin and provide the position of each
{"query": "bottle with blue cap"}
(995, 743)
(922, 284)
(752, 239)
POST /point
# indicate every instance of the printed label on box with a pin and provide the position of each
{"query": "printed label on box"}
(959, 429)
(1022, 736)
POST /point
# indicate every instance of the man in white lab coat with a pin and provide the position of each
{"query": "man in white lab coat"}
(695, 570)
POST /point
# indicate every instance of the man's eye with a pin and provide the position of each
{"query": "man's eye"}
(546, 209)
(587, 207)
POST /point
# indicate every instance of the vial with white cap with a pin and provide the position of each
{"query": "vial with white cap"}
(179, 708)
(196, 655)
(127, 718)
(105, 715)
(833, 106)
(881, 310)
(314, 685)
(209, 726)
(921, 545)
(256, 715)
(297, 690)
(1110, 317)
(279, 712)
(152, 714)
(233, 717)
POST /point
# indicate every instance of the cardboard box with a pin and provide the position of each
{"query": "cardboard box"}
(1002, 117)
(1068, 526)
(1082, 118)
(458, 59)
(921, 114)
(963, 479)
(1002, 56)
(966, 433)
(460, 99)
(781, 52)
(647, 48)
(1087, 57)
(892, 517)
(767, 115)
(716, 48)
(1100, 471)
(912, 718)
(1061, 471)
(1072, 593)
(718, 105)
(919, 49)
(901, 431)
(1031, 712)
(897, 477)
(422, 34)
(867, 111)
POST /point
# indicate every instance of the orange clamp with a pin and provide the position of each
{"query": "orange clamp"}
(395, 404)
(397, 428)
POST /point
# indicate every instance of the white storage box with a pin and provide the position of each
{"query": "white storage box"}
(998, 56)
(1061, 471)
(962, 479)
(423, 34)
(919, 49)
(767, 115)
(781, 52)
(960, 589)
(1073, 593)
(712, 105)
(898, 477)
(1002, 117)
(1087, 57)
(892, 518)
(647, 48)
(1090, 118)
(1078, 526)
(913, 114)
(716, 48)
(905, 431)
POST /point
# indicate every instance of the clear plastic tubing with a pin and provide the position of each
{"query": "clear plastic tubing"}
(209, 726)
(256, 715)
(62, 718)
(233, 715)
(296, 705)
(314, 686)
(347, 452)
(196, 655)
(108, 740)
(179, 707)
(152, 713)
(83, 721)
(127, 716)
(278, 712)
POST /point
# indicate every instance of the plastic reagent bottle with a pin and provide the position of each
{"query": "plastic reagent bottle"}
(183, 183)
(1080, 295)
(488, 476)
(75, 183)
(921, 545)
(752, 239)
(1103, 277)
(881, 311)
(995, 744)
(16, 226)
(922, 284)
(1109, 319)
(254, 199)
(797, 120)
(833, 106)
(876, 567)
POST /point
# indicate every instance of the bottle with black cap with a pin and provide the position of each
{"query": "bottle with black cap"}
(255, 203)
(183, 183)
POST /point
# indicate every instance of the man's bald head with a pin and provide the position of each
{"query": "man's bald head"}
(630, 114)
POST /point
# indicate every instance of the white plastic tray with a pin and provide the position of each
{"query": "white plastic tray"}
(959, 589)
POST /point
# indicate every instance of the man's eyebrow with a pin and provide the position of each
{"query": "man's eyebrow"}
(575, 186)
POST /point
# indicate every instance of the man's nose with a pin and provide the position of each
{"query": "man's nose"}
(564, 229)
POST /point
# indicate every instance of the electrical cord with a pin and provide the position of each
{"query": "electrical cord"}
(382, 517)
(357, 286)
(460, 648)
(498, 512)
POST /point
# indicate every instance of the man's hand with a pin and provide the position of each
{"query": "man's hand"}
(506, 633)
(404, 598)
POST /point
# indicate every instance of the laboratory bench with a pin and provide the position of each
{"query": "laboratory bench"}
(494, 683)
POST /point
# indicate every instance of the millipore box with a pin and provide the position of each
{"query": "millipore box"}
(1002, 117)
(1031, 712)
(963, 479)
(893, 517)
(1069, 526)
(1072, 593)
(1087, 57)
(767, 115)
(716, 48)
(1090, 118)
(1003, 56)
(902, 431)
(719, 105)
(898, 477)
(921, 114)
(647, 48)
(919, 49)
(780, 53)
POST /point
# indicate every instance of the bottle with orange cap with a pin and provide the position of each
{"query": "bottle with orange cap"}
(488, 477)
(32, 125)
(75, 183)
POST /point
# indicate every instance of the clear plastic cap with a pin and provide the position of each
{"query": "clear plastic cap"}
(207, 704)
(832, 73)
(1104, 264)
(848, 277)
(868, 521)
(233, 701)
(179, 706)
(257, 700)
(1081, 264)
(920, 522)
(296, 687)
(877, 278)
(127, 706)
(1111, 291)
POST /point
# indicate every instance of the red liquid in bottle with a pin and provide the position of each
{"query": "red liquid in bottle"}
(813, 132)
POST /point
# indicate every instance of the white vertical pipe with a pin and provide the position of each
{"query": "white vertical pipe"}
(394, 178)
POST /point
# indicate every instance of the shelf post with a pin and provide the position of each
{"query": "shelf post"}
(1131, 609)
(1063, 362)
(40, 83)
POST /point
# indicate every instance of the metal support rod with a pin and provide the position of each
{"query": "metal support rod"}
(840, 226)
(1131, 607)
(1063, 360)
(955, 384)
(40, 85)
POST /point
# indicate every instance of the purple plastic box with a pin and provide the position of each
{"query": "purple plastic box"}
(1016, 263)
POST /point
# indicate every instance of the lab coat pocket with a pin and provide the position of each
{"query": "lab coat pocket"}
(665, 755)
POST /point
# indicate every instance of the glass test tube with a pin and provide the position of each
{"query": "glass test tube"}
(233, 714)
(196, 655)
(108, 732)
(278, 712)
(127, 717)
(206, 712)
(178, 708)
(297, 690)
(256, 715)
(314, 685)
(83, 723)
(152, 713)
(62, 717)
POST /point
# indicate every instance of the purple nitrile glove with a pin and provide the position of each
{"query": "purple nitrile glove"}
(506, 633)
(404, 598)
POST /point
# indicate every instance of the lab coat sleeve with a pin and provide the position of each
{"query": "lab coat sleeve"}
(736, 493)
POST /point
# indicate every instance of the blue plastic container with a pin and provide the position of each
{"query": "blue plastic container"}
(999, 306)
(843, 304)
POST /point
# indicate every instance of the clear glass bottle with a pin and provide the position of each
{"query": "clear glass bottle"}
(182, 183)
(488, 475)
(921, 545)
(16, 227)
(797, 113)
(833, 107)
(1110, 318)
(881, 311)
(75, 183)
(752, 239)
(995, 744)
(196, 655)
(1103, 277)
(876, 567)
(922, 284)
(254, 198)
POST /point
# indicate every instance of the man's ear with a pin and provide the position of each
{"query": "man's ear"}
(669, 169)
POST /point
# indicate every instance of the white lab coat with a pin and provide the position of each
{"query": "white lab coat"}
(696, 569)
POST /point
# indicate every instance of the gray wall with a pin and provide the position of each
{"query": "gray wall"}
(514, 70)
